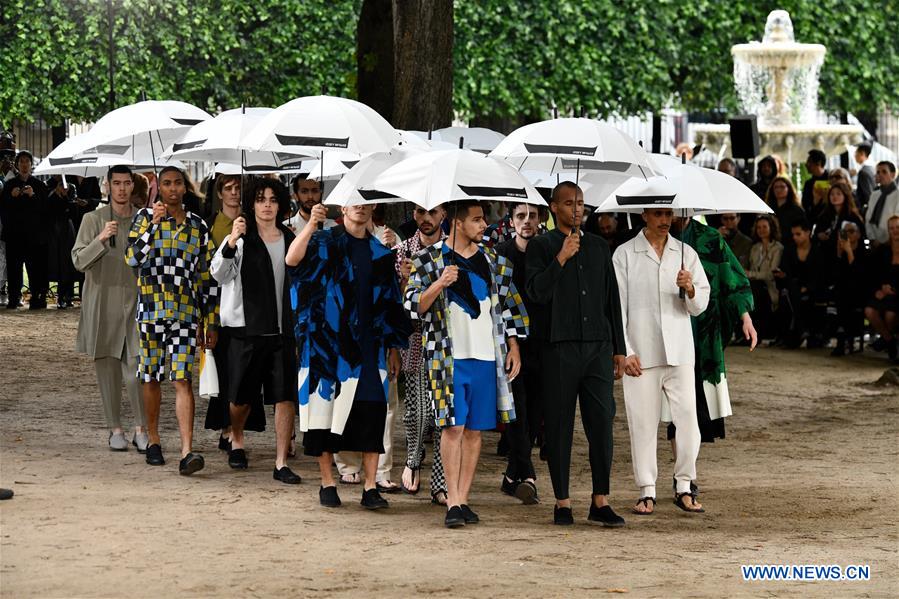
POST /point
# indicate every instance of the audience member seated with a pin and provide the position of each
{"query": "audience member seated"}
(764, 263)
(782, 198)
(850, 286)
(883, 303)
(804, 281)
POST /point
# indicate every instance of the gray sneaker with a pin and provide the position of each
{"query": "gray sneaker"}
(117, 442)
(140, 441)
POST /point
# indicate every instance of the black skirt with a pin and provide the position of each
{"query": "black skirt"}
(364, 431)
(218, 412)
(709, 429)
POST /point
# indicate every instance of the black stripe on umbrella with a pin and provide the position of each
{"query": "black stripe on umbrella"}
(373, 194)
(611, 165)
(187, 145)
(639, 200)
(72, 160)
(349, 163)
(494, 192)
(322, 142)
(556, 149)
(112, 149)
(189, 122)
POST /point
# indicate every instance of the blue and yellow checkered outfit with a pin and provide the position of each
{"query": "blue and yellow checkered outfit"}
(176, 292)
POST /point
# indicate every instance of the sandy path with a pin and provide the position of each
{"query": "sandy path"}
(807, 475)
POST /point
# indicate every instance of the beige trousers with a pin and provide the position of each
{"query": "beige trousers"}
(643, 398)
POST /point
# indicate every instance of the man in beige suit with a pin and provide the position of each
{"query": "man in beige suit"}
(107, 330)
(652, 269)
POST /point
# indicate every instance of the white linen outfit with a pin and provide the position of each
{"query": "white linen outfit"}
(657, 329)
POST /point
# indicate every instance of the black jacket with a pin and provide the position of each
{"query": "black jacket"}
(257, 276)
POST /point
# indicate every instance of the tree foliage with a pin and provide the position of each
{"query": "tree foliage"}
(628, 56)
(511, 58)
(214, 54)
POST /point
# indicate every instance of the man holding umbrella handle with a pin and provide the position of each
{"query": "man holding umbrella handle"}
(577, 321)
(652, 270)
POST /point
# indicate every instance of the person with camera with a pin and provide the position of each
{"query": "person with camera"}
(23, 207)
(106, 328)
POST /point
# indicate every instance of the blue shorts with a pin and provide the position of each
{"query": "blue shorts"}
(474, 394)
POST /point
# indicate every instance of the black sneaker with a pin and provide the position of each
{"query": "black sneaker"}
(372, 500)
(237, 458)
(192, 462)
(562, 516)
(154, 455)
(327, 496)
(286, 476)
(469, 516)
(224, 443)
(508, 487)
(526, 492)
(454, 517)
(604, 515)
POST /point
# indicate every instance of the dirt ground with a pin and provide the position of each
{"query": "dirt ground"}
(807, 475)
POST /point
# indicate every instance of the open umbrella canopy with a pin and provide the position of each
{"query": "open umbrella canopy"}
(64, 161)
(719, 191)
(221, 139)
(355, 186)
(140, 131)
(433, 178)
(637, 195)
(574, 145)
(479, 139)
(315, 124)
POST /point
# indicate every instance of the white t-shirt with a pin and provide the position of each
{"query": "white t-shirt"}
(469, 318)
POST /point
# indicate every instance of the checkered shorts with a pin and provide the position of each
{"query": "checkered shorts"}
(172, 337)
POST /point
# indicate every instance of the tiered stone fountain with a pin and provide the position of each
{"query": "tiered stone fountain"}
(777, 80)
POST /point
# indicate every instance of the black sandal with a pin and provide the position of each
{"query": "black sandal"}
(679, 502)
(645, 501)
(435, 501)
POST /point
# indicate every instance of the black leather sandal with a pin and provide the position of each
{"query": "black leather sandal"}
(679, 502)
(645, 501)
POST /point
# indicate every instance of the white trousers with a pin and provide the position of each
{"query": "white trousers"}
(350, 462)
(643, 399)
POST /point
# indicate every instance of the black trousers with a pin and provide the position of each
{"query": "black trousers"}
(578, 371)
(34, 258)
(525, 388)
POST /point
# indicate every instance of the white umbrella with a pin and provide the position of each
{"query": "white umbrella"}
(355, 186)
(63, 161)
(636, 195)
(574, 145)
(479, 139)
(221, 139)
(719, 191)
(433, 178)
(140, 131)
(315, 124)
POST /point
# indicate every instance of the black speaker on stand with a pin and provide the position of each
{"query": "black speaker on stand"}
(744, 143)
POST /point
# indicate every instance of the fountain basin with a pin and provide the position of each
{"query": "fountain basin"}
(791, 142)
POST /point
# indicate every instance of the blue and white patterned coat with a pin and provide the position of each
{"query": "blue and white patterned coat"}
(509, 319)
(326, 326)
